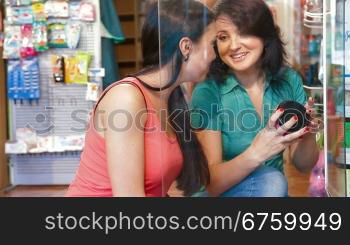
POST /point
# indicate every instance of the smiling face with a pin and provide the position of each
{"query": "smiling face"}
(240, 52)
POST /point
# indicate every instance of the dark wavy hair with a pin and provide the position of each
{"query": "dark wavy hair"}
(162, 31)
(252, 17)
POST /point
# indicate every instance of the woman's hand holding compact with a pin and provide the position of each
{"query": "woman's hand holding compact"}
(272, 140)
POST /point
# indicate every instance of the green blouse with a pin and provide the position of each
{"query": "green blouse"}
(227, 107)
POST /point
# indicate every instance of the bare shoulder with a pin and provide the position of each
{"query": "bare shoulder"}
(123, 97)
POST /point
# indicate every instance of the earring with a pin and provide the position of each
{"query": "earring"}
(186, 58)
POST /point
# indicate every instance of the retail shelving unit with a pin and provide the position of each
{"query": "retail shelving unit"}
(131, 14)
(62, 110)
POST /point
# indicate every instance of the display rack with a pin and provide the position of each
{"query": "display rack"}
(61, 111)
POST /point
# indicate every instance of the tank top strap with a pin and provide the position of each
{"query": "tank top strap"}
(128, 80)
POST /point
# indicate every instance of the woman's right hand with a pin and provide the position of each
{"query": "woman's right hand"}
(271, 140)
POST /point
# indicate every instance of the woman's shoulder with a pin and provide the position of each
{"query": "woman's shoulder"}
(123, 94)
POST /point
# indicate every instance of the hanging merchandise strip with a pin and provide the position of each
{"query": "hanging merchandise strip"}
(62, 110)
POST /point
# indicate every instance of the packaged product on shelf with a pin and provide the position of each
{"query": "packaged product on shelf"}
(57, 9)
(39, 11)
(19, 15)
(87, 11)
(12, 42)
(31, 78)
(14, 79)
(27, 47)
(16, 147)
(83, 62)
(57, 37)
(71, 69)
(28, 136)
(40, 36)
(69, 143)
(38, 1)
(23, 79)
(74, 10)
(18, 2)
(93, 91)
(57, 63)
(73, 30)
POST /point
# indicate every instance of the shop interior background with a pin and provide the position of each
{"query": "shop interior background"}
(317, 37)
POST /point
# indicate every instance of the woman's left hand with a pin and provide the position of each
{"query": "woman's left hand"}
(315, 123)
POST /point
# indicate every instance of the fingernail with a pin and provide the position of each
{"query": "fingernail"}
(307, 130)
(281, 110)
(295, 118)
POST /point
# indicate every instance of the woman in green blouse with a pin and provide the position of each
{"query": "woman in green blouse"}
(235, 109)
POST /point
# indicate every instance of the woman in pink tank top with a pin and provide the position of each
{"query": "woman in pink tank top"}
(139, 139)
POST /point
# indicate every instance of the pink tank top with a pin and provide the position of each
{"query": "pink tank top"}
(163, 158)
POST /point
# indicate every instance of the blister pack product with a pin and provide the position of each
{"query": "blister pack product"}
(14, 79)
(12, 42)
(40, 36)
(73, 30)
(19, 15)
(27, 47)
(57, 9)
(83, 62)
(87, 11)
(57, 37)
(57, 63)
(31, 78)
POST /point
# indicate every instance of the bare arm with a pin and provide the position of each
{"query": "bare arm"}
(124, 140)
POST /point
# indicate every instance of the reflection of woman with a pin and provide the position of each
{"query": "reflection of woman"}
(234, 107)
(133, 155)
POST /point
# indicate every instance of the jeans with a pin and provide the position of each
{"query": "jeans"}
(263, 182)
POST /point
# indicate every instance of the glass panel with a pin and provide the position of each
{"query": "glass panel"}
(335, 92)
(186, 52)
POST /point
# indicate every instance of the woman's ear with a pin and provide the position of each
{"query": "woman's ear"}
(185, 46)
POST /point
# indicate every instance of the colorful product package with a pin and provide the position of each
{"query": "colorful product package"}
(31, 78)
(14, 79)
(58, 68)
(19, 15)
(18, 2)
(87, 11)
(27, 47)
(93, 91)
(39, 11)
(23, 79)
(83, 62)
(73, 30)
(12, 42)
(57, 37)
(40, 36)
(57, 9)
(74, 10)
(71, 69)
